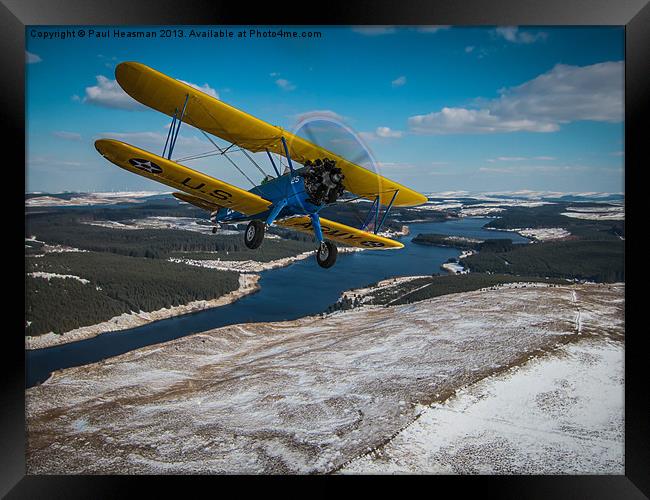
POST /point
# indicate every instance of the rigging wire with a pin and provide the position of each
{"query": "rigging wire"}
(254, 162)
(228, 158)
(221, 151)
(197, 156)
(205, 155)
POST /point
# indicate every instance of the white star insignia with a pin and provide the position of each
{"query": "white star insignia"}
(145, 165)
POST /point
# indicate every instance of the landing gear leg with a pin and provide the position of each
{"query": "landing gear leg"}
(213, 219)
(327, 251)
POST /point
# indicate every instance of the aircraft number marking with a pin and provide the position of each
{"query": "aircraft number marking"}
(336, 233)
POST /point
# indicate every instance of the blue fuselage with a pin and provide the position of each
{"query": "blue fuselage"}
(288, 186)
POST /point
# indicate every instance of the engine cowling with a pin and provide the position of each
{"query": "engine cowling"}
(323, 181)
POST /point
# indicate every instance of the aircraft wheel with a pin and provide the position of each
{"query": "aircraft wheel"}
(254, 234)
(326, 254)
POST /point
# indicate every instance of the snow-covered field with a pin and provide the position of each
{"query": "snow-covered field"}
(366, 294)
(252, 266)
(313, 395)
(49, 276)
(82, 199)
(454, 268)
(596, 213)
(161, 222)
(558, 414)
(242, 266)
(544, 233)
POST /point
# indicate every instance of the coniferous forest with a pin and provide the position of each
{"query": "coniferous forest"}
(116, 284)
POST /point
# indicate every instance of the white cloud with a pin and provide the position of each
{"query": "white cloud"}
(395, 166)
(461, 120)
(285, 84)
(387, 132)
(541, 169)
(205, 88)
(389, 30)
(68, 136)
(512, 34)
(109, 94)
(380, 133)
(367, 136)
(521, 158)
(561, 95)
(32, 58)
(511, 158)
(374, 30)
(469, 49)
(51, 161)
(432, 29)
(399, 81)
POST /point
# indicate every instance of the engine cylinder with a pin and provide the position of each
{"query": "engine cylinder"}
(323, 181)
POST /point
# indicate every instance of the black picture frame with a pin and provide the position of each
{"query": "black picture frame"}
(633, 14)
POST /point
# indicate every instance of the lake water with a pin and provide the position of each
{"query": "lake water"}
(298, 290)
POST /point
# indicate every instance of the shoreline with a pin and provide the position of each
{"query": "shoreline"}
(252, 266)
(248, 284)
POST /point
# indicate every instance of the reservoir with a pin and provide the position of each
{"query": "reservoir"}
(288, 293)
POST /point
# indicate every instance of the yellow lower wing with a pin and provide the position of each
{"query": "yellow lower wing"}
(196, 201)
(157, 168)
(340, 232)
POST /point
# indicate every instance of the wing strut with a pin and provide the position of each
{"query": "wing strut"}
(273, 163)
(174, 128)
(286, 152)
(381, 223)
(374, 211)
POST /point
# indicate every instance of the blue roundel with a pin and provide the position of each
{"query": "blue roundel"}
(146, 165)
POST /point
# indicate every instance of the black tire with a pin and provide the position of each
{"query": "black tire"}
(326, 254)
(254, 234)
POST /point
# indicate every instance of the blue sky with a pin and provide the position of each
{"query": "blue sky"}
(479, 109)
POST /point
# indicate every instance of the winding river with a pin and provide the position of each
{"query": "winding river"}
(298, 290)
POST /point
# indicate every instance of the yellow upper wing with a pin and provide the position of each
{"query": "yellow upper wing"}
(165, 94)
(340, 232)
(160, 169)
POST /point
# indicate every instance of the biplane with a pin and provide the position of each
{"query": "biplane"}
(291, 199)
